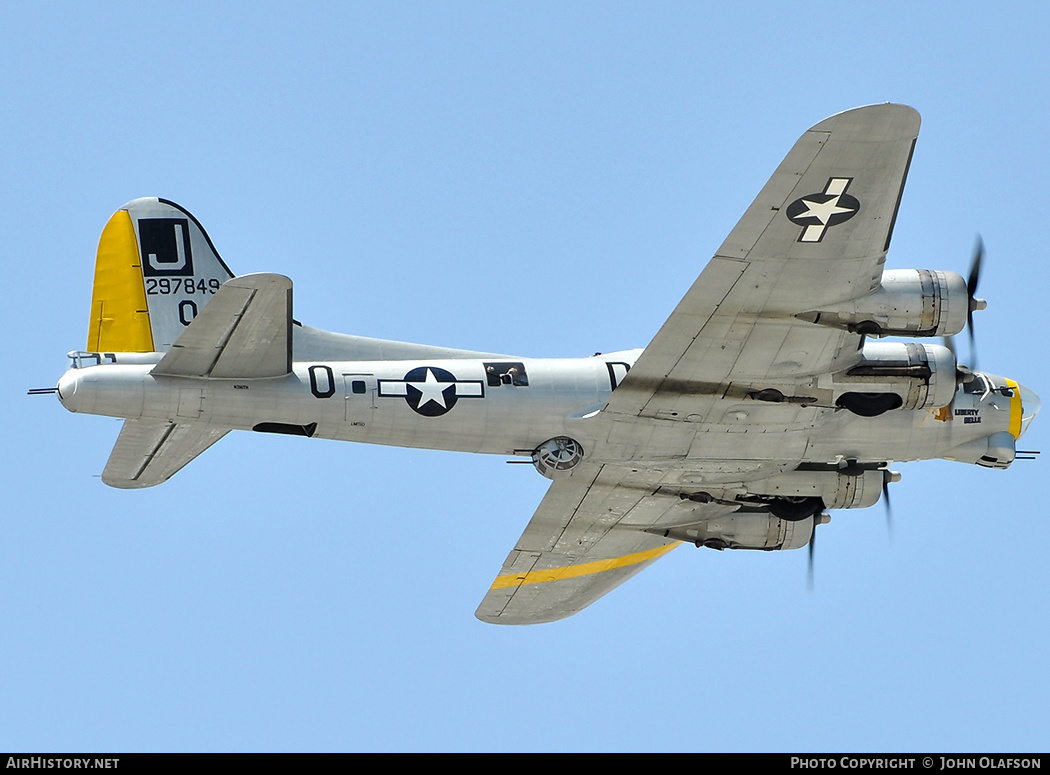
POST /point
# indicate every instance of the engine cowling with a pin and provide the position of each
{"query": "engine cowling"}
(897, 375)
(748, 530)
(908, 302)
(848, 488)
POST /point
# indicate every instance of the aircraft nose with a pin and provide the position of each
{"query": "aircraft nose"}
(1030, 406)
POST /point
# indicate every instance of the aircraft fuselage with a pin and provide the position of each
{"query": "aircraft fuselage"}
(509, 406)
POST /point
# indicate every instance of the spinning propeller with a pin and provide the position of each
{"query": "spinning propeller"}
(889, 508)
(888, 477)
(973, 303)
(971, 291)
(820, 518)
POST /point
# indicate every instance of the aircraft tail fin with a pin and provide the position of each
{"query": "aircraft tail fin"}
(156, 269)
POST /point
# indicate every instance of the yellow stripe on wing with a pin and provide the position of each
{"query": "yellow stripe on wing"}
(119, 316)
(583, 569)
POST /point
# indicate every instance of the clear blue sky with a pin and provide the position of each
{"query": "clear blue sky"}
(542, 179)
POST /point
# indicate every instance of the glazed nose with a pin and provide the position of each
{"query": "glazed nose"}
(1030, 406)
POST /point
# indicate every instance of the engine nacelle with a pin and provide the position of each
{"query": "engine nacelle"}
(909, 302)
(896, 375)
(747, 530)
(841, 489)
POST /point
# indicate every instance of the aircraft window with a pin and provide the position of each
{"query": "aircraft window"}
(976, 385)
(510, 373)
(82, 360)
(357, 386)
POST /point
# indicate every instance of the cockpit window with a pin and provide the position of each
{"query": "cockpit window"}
(507, 373)
(978, 385)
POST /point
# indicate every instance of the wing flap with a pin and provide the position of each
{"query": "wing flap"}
(149, 452)
(244, 332)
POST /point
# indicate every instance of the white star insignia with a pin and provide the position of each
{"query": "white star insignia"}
(823, 210)
(431, 390)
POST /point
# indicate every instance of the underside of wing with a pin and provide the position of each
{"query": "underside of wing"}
(575, 549)
(149, 452)
(245, 331)
(603, 525)
(815, 237)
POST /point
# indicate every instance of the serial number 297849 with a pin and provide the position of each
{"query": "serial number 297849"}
(164, 286)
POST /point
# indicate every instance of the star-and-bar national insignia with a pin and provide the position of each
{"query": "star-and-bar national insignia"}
(816, 213)
(431, 391)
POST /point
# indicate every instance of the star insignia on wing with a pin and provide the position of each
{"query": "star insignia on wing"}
(816, 213)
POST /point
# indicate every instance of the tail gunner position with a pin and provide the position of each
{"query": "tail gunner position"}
(768, 396)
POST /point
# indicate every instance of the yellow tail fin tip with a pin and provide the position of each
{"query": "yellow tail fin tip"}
(119, 320)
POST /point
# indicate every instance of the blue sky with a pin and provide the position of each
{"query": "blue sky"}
(542, 179)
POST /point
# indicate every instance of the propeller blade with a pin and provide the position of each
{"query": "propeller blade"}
(963, 374)
(887, 478)
(975, 267)
(889, 508)
(812, 545)
(971, 289)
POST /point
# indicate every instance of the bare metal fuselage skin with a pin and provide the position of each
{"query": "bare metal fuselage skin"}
(467, 415)
(460, 405)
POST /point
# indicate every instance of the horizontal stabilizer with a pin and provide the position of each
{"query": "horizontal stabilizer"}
(149, 452)
(245, 332)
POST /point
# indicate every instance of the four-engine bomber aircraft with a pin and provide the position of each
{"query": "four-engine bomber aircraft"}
(767, 397)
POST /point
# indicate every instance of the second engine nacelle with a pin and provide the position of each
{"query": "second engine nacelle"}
(909, 302)
(897, 375)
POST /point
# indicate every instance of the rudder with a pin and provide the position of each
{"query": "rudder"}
(155, 270)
